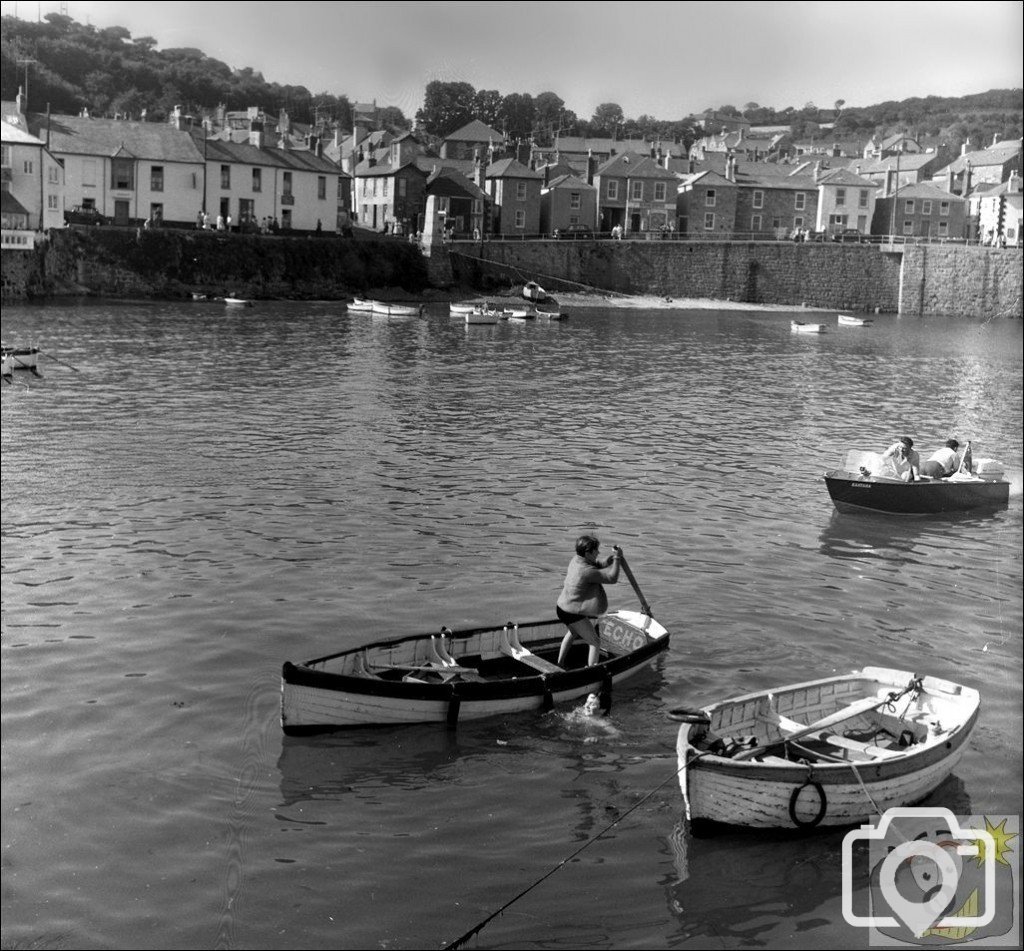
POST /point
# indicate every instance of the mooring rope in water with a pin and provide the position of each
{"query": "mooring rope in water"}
(476, 929)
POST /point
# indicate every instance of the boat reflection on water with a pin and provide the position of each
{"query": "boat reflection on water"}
(757, 887)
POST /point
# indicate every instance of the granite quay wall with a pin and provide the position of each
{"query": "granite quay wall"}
(961, 281)
(937, 279)
(126, 262)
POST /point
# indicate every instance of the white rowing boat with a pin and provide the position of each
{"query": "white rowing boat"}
(848, 320)
(384, 309)
(829, 752)
(799, 327)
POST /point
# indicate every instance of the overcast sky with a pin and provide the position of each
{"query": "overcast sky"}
(664, 59)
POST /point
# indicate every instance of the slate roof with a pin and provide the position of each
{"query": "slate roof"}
(385, 169)
(448, 181)
(18, 134)
(999, 154)
(926, 190)
(156, 141)
(9, 205)
(242, 153)
(570, 181)
(844, 177)
(510, 168)
(475, 131)
(634, 166)
(908, 162)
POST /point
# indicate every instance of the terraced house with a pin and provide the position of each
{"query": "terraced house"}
(636, 194)
(921, 211)
(31, 187)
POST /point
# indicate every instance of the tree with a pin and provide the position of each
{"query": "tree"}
(607, 118)
(393, 118)
(517, 115)
(446, 107)
(487, 106)
(549, 110)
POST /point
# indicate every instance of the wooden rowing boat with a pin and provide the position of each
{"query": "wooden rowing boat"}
(848, 320)
(799, 327)
(462, 675)
(20, 358)
(551, 314)
(384, 309)
(830, 752)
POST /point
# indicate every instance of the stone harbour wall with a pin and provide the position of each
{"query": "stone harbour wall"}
(961, 281)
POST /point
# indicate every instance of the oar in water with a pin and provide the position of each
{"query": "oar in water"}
(632, 580)
(58, 360)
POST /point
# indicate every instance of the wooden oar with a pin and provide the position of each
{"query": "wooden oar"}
(58, 360)
(632, 580)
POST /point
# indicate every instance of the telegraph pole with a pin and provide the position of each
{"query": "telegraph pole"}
(26, 63)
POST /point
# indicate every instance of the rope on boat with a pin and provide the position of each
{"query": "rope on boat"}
(476, 929)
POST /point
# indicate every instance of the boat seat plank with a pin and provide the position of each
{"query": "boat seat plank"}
(511, 647)
(845, 743)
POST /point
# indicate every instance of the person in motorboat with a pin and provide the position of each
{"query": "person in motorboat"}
(943, 462)
(900, 461)
(583, 597)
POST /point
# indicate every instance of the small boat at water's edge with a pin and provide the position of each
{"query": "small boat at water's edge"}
(799, 327)
(384, 309)
(238, 301)
(462, 675)
(829, 752)
(848, 320)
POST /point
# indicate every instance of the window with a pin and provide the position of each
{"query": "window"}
(286, 184)
(862, 200)
(574, 219)
(478, 206)
(709, 198)
(376, 187)
(321, 186)
(840, 197)
(52, 202)
(910, 206)
(122, 173)
(403, 187)
(89, 174)
(29, 165)
(5, 156)
(798, 222)
(52, 175)
(156, 178)
(257, 179)
(776, 222)
(637, 191)
(520, 218)
(800, 201)
(908, 227)
(755, 223)
(613, 189)
(943, 229)
(286, 219)
(659, 191)
(156, 213)
(225, 176)
(575, 200)
(943, 207)
(246, 210)
(520, 192)
(709, 221)
(758, 198)
(926, 206)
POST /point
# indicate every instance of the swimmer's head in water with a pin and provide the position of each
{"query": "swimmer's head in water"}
(592, 705)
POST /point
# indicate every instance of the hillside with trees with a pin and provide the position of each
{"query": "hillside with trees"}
(68, 67)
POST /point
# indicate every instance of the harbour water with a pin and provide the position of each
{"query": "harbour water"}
(194, 494)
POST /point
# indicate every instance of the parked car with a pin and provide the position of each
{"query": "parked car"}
(84, 216)
(575, 232)
(851, 235)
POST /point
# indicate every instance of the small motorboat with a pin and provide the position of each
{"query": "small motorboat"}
(848, 320)
(461, 309)
(830, 752)
(361, 305)
(534, 292)
(854, 489)
(799, 327)
(385, 309)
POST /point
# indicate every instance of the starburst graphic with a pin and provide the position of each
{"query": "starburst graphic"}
(1001, 838)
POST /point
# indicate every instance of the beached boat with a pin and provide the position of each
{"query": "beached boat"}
(238, 301)
(384, 309)
(848, 320)
(463, 675)
(533, 291)
(20, 358)
(799, 327)
(853, 488)
(830, 752)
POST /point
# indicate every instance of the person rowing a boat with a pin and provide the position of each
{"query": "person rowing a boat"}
(583, 597)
